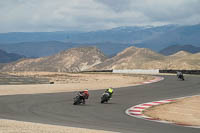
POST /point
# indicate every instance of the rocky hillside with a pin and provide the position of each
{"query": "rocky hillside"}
(72, 60)
(133, 58)
(142, 58)
(184, 60)
(91, 58)
(180, 54)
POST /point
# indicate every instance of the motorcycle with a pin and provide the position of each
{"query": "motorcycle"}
(181, 77)
(78, 100)
(105, 97)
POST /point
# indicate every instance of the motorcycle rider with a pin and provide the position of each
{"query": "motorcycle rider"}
(110, 92)
(179, 74)
(84, 95)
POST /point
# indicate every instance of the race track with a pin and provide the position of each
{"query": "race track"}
(57, 108)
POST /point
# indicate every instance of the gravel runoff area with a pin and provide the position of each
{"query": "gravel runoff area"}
(63, 83)
(66, 82)
(12, 126)
(184, 111)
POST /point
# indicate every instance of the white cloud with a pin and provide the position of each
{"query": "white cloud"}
(54, 15)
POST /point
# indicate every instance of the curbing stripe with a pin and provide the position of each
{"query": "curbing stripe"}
(131, 111)
(137, 110)
(150, 81)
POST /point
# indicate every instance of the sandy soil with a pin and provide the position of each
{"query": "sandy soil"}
(74, 82)
(64, 82)
(11, 126)
(184, 111)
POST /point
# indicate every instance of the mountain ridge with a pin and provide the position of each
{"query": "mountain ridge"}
(110, 41)
(72, 60)
(91, 58)
(175, 48)
(6, 57)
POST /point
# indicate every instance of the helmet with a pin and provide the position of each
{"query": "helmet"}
(110, 88)
(86, 90)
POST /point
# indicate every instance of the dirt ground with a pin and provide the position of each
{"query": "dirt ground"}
(184, 111)
(12, 126)
(63, 82)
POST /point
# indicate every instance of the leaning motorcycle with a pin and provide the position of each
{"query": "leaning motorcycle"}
(77, 100)
(181, 77)
(105, 97)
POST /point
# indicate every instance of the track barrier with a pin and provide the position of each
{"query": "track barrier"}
(146, 71)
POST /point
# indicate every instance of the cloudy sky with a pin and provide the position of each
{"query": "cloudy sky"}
(89, 15)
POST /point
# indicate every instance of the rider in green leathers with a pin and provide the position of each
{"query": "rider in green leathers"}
(110, 91)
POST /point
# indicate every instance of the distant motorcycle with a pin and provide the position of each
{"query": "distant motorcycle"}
(105, 97)
(180, 77)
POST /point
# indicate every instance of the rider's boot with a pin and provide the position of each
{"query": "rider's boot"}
(83, 101)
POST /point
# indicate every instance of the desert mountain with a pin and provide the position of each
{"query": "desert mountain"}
(180, 54)
(91, 58)
(142, 58)
(72, 60)
(9, 57)
(184, 60)
(133, 58)
(176, 48)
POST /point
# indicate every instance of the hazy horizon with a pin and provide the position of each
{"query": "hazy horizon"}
(92, 15)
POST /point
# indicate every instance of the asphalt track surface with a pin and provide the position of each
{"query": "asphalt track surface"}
(57, 108)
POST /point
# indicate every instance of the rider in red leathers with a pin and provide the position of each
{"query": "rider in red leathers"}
(84, 95)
